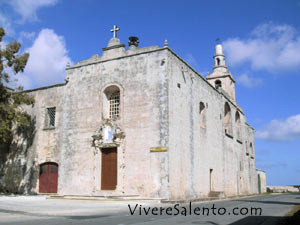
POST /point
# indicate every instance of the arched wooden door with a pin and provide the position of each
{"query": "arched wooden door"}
(48, 178)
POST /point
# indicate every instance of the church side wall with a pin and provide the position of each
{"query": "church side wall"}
(205, 160)
(250, 157)
(236, 164)
(193, 150)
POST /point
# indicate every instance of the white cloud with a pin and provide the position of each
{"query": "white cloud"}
(24, 80)
(270, 47)
(23, 35)
(6, 24)
(249, 81)
(47, 60)
(27, 9)
(281, 130)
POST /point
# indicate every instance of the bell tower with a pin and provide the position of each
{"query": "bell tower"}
(219, 59)
(221, 78)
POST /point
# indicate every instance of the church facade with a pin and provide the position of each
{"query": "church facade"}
(141, 122)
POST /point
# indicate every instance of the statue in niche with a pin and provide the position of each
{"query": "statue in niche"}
(107, 134)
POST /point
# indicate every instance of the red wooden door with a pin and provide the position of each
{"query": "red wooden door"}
(48, 178)
(109, 169)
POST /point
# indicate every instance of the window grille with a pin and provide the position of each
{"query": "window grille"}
(50, 118)
(114, 105)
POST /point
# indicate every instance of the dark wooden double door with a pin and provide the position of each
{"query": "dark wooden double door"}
(109, 168)
(48, 178)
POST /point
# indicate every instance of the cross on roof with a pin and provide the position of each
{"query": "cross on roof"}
(115, 30)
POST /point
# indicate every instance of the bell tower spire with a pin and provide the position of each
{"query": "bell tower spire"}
(219, 59)
(221, 78)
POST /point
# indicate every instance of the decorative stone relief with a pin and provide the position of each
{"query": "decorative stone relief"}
(108, 135)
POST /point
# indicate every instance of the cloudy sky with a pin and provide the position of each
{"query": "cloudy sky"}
(261, 41)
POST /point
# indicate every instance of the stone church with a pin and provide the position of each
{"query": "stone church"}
(141, 122)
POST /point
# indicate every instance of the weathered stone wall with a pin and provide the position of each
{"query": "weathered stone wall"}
(46, 144)
(283, 189)
(143, 120)
(33, 146)
(18, 170)
(195, 151)
(261, 177)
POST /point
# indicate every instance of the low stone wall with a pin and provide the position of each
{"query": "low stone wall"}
(282, 189)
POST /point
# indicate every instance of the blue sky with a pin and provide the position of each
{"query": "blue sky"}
(261, 40)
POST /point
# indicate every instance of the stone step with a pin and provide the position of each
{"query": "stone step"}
(104, 198)
(189, 200)
(216, 194)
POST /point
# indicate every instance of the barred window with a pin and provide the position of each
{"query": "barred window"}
(114, 105)
(50, 117)
(111, 104)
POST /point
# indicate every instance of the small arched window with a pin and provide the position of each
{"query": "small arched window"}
(202, 115)
(247, 147)
(227, 119)
(218, 84)
(111, 102)
(251, 150)
(218, 61)
(238, 126)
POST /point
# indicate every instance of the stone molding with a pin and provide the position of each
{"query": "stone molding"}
(117, 135)
(114, 46)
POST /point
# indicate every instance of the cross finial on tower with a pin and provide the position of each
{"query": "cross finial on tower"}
(115, 30)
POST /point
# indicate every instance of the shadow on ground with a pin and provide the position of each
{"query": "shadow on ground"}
(270, 202)
(254, 220)
(250, 220)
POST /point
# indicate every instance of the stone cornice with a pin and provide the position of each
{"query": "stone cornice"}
(222, 76)
(46, 87)
(114, 46)
(116, 58)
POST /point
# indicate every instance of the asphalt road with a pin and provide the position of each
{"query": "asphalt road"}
(33, 210)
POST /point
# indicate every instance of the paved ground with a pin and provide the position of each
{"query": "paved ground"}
(33, 210)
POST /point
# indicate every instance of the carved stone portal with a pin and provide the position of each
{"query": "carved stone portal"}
(108, 135)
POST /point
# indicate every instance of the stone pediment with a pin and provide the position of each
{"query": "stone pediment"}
(108, 135)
